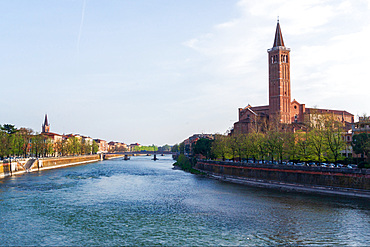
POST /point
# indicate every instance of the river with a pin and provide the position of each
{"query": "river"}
(146, 202)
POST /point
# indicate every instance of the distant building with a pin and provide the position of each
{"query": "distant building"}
(133, 146)
(52, 138)
(57, 139)
(280, 107)
(117, 146)
(103, 145)
(362, 126)
(87, 139)
(190, 142)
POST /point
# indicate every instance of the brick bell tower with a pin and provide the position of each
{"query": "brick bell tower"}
(279, 79)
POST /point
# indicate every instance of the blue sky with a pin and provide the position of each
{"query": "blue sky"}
(157, 71)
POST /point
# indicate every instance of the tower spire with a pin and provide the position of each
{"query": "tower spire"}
(46, 125)
(278, 41)
(46, 120)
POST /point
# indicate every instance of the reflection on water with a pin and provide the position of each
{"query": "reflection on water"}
(142, 202)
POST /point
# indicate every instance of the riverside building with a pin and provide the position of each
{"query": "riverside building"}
(281, 108)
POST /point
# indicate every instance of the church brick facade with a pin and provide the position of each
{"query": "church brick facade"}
(281, 108)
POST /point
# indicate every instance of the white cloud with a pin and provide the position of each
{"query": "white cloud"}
(330, 55)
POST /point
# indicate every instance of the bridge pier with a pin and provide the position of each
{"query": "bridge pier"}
(155, 157)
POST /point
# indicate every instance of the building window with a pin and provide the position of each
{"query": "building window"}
(295, 107)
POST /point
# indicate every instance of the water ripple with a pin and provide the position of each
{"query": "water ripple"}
(141, 202)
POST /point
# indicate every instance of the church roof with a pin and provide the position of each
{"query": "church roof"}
(278, 37)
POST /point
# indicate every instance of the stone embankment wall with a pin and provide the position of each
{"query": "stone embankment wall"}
(321, 176)
(112, 156)
(30, 165)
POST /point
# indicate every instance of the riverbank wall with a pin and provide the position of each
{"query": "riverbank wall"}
(16, 167)
(324, 180)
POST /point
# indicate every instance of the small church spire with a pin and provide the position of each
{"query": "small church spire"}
(46, 125)
(46, 120)
(278, 41)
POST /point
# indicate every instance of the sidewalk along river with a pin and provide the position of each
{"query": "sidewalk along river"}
(146, 202)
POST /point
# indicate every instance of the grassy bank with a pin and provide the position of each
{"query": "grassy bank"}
(187, 164)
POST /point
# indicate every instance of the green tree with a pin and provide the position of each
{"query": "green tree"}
(361, 144)
(175, 148)
(239, 145)
(273, 143)
(260, 141)
(95, 147)
(247, 146)
(232, 144)
(37, 144)
(184, 163)
(182, 148)
(8, 128)
(220, 148)
(302, 146)
(203, 147)
(292, 147)
(74, 146)
(165, 148)
(25, 137)
(316, 136)
(3, 146)
(333, 134)
(86, 148)
(317, 143)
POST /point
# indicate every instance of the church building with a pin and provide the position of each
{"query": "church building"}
(281, 107)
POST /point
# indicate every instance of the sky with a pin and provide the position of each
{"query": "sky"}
(159, 71)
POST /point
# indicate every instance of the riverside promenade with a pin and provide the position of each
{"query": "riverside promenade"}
(20, 166)
(317, 180)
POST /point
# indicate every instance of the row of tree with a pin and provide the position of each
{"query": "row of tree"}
(151, 148)
(320, 140)
(24, 142)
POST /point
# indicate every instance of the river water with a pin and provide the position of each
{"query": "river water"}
(145, 202)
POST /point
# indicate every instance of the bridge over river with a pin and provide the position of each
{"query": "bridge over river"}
(134, 153)
(147, 153)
